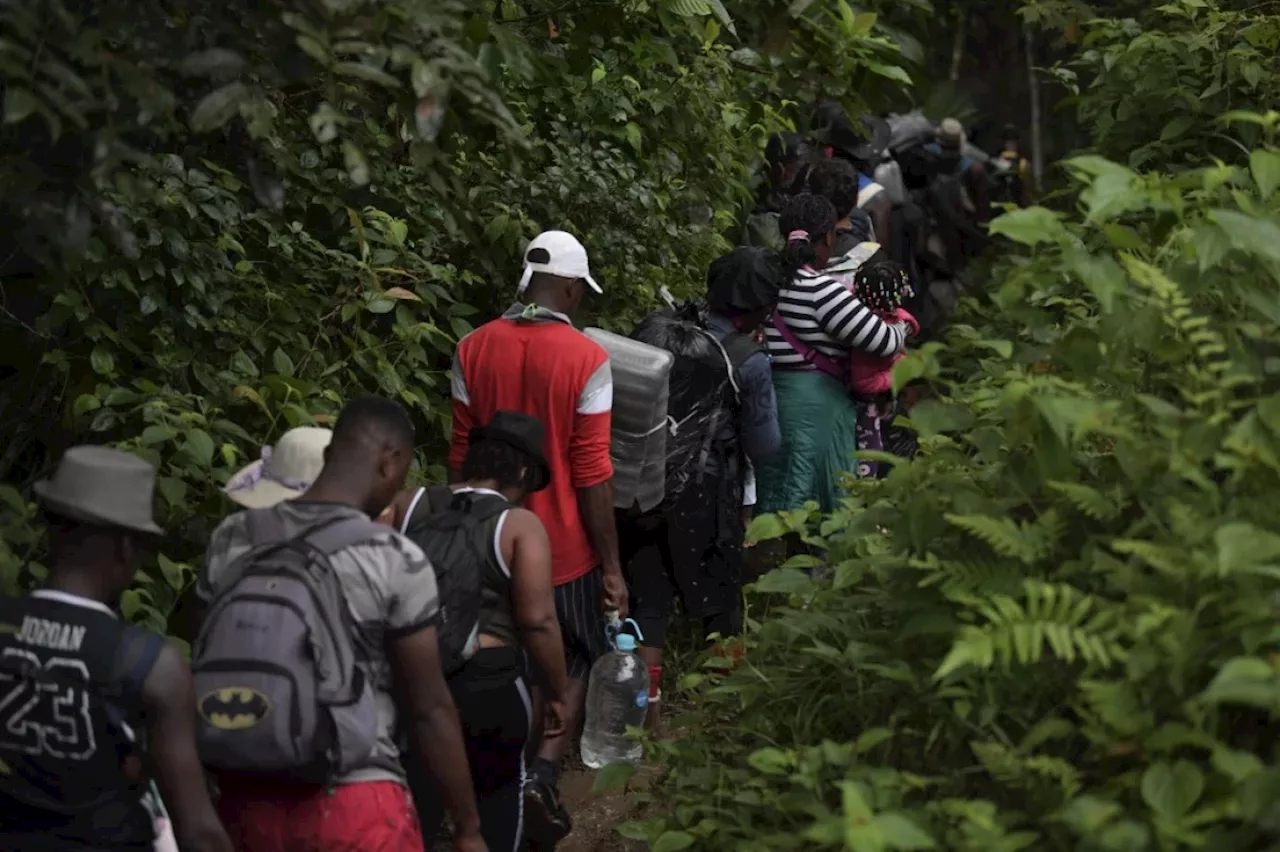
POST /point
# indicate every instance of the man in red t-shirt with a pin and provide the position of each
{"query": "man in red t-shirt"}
(533, 360)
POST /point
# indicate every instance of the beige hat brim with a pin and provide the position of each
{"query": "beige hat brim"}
(263, 494)
(50, 499)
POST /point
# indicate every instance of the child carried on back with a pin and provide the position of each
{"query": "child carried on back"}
(883, 286)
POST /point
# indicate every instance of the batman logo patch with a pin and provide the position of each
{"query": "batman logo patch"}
(234, 708)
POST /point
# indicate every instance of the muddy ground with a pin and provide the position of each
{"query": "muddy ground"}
(596, 816)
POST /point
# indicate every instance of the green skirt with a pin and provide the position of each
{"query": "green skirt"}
(818, 419)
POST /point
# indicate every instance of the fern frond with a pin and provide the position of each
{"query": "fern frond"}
(1166, 560)
(1028, 542)
(957, 577)
(1088, 501)
(1073, 625)
(1015, 770)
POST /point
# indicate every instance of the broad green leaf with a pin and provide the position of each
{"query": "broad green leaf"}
(770, 761)
(673, 841)
(1212, 245)
(1244, 546)
(784, 581)
(766, 527)
(102, 361)
(10, 497)
(1100, 273)
(933, 417)
(1245, 680)
(368, 73)
(241, 363)
(1235, 764)
(901, 833)
(853, 803)
(200, 446)
(1265, 166)
(1030, 226)
(282, 363)
(218, 107)
(891, 72)
(85, 403)
(173, 572)
(613, 777)
(634, 136)
(1172, 791)
(871, 738)
(18, 103)
(1251, 234)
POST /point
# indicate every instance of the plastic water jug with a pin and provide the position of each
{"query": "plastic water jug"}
(617, 698)
(638, 445)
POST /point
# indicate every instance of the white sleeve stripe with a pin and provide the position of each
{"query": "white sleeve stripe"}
(597, 401)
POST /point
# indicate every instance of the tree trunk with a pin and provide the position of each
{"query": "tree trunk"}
(1033, 87)
(957, 45)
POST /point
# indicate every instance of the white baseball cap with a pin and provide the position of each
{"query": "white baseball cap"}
(556, 253)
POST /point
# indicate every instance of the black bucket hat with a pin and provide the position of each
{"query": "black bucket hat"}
(526, 434)
(746, 279)
(864, 138)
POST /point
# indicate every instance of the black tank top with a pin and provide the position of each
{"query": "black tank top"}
(71, 677)
(497, 614)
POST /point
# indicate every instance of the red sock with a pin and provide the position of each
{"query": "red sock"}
(655, 683)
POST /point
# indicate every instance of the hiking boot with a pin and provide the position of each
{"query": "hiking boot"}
(547, 821)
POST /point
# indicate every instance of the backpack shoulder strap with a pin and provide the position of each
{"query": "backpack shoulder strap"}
(332, 537)
(264, 526)
(413, 509)
(739, 347)
(139, 650)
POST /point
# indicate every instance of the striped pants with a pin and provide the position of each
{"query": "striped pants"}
(496, 712)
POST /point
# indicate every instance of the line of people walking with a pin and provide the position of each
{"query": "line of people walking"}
(378, 667)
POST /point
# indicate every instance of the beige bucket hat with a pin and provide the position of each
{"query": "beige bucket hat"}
(284, 471)
(101, 485)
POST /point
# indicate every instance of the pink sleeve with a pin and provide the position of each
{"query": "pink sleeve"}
(905, 316)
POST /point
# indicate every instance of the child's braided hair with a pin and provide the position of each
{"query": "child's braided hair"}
(883, 285)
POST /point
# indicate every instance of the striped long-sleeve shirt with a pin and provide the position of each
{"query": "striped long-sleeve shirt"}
(824, 314)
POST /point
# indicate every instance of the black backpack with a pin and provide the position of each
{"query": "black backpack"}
(451, 529)
(703, 392)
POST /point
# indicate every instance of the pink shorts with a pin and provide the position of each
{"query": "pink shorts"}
(375, 816)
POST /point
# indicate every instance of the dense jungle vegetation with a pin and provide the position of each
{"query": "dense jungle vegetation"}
(1054, 629)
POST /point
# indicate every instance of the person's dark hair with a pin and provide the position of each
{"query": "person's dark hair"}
(497, 460)
(810, 215)
(68, 537)
(1010, 134)
(378, 416)
(786, 149)
(837, 181)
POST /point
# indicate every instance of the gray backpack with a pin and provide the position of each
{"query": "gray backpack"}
(278, 679)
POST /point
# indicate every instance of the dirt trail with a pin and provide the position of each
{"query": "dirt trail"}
(596, 816)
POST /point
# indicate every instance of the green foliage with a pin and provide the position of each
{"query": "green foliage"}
(1056, 627)
(223, 221)
(1152, 90)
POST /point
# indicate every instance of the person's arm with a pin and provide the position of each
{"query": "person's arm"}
(592, 472)
(170, 702)
(849, 322)
(425, 703)
(463, 420)
(761, 434)
(533, 597)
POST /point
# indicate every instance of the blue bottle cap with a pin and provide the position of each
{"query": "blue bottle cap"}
(626, 642)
